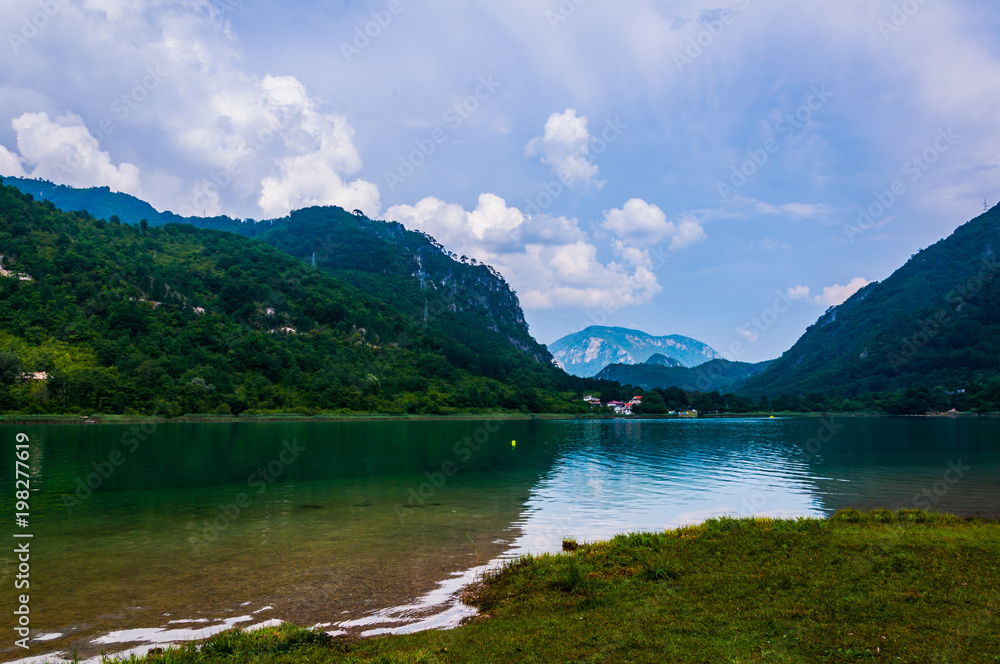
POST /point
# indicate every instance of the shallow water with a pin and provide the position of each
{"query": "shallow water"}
(372, 526)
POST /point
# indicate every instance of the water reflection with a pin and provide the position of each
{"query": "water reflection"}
(650, 475)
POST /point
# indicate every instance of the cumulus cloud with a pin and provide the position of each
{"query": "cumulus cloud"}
(547, 260)
(837, 294)
(324, 143)
(10, 163)
(643, 224)
(565, 146)
(270, 134)
(213, 136)
(63, 151)
(799, 293)
(832, 295)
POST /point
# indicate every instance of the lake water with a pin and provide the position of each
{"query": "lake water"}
(152, 534)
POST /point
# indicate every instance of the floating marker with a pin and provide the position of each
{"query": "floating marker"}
(513, 443)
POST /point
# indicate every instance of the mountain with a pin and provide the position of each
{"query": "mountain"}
(717, 375)
(448, 295)
(935, 322)
(176, 319)
(585, 353)
(658, 359)
(102, 203)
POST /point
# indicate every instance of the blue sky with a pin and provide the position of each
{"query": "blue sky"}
(690, 168)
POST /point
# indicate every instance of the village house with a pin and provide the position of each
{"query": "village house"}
(620, 407)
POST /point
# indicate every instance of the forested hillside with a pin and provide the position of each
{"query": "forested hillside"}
(176, 320)
(934, 323)
(451, 296)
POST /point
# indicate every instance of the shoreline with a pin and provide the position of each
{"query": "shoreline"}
(455, 417)
(857, 584)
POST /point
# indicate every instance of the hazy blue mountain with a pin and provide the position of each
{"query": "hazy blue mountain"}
(585, 353)
(718, 375)
(662, 360)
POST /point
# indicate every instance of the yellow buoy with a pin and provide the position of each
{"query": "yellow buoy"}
(513, 443)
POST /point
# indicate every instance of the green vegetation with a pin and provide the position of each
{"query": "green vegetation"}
(935, 322)
(978, 398)
(894, 587)
(448, 296)
(173, 320)
(413, 329)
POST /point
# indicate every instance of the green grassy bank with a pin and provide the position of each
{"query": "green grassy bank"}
(893, 587)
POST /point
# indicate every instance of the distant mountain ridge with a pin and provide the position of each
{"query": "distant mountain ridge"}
(587, 352)
(715, 376)
(935, 322)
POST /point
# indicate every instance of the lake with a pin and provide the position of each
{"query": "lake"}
(158, 533)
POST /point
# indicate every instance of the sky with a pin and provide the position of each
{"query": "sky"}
(725, 169)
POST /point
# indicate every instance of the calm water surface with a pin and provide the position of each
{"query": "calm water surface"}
(162, 534)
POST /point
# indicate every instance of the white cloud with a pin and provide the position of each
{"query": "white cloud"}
(800, 210)
(64, 151)
(837, 294)
(686, 233)
(799, 293)
(212, 135)
(10, 163)
(565, 146)
(313, 150)
(832, 295)
(643, 224)
(548, 261)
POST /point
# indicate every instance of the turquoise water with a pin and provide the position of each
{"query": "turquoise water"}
(157, 533)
